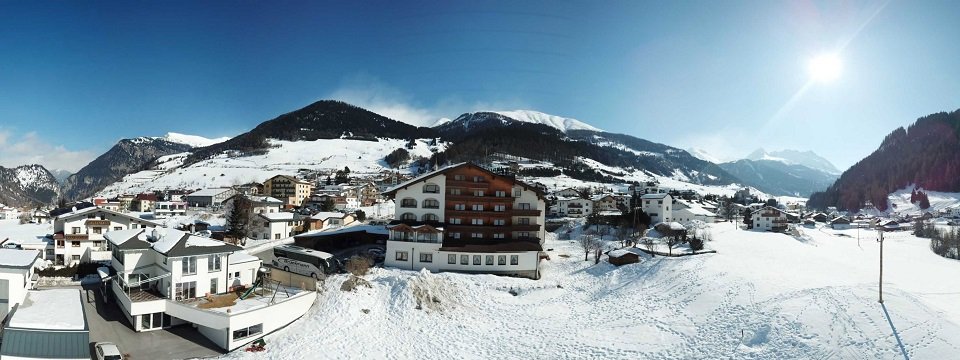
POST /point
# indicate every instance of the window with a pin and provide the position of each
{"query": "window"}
(427, 258)
(402, 256)
(186, 290)
(659, 202)
(188, 265)
(431, 217)
(500, 208)
(478, 193)
(118, 228)
(76, 230)
(459, 177)
(408, 217)
(451, 259)
(478, 179)
(74, 244)
(431, 204)
(276, 236)
(431, 188)
(489, 260)
(454, 191)
(75, 257)
(524, 206)
(648, 202)
(517, 192)
(476, 259)
(477, 207)
(456, 221)
(524, 221)
(213, 263)
(524, 235)
(455, 235)
(476, 221)
(501, 260)
(459, 207)
(213, 285)
(60, 243)
(500, 193)
(408, 203)
(97, 230)
(498, 236)
(514, 259)
(499, 222)
(97, 244)
(464, 259)
(476, 235)
(247, 332)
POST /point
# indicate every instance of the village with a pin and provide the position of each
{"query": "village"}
(231, 266)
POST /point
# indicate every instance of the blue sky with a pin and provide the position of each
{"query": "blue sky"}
(724, 76)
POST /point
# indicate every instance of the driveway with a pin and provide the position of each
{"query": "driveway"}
(107, 323)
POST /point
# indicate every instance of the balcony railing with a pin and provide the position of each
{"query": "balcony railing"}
(76, 237)
(526, 212)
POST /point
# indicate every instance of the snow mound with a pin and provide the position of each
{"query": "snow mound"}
(192, 140)
(432, 293)
(556, 122)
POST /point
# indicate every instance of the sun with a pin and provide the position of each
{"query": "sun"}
(825, 68)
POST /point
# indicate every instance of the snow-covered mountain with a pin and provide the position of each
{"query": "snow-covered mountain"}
(28, 185)
(704, 155)
(778, 177)
(192, 140)
(126, 157)
(557, 122)
(805, 158)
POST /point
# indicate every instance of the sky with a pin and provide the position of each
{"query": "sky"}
(724, 76)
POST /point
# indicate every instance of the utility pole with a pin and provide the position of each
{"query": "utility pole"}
(880, 240)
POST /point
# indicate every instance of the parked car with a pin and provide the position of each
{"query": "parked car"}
(108, 351)
(377, 254)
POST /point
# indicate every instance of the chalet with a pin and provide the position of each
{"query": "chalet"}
(325, 219)
(769, 218)
(78, 236)
(164, 277)
(288, 189)
(840, 223)
(658, 206)
(213, 197)
(144, 202)
(821, 217)
(465, 218)
(604, 202)
(170, 208)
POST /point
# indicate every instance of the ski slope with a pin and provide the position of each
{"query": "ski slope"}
(762, 296)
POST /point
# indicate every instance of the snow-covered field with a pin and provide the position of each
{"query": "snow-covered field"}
(762, 296)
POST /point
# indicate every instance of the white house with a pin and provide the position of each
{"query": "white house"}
(164, 277)
(78, 235)
(170, 208)
(467, 219)
(16, 277)
(769, 218)
(568, 192)
(276, 226)
(658, 206)
(688, 211)
(327, 219)
(574, 206)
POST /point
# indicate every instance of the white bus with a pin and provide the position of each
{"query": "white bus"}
(305, 261)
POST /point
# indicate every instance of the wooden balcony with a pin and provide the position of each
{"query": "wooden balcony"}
(96, 222)
(72, 237)
(525, 212)
(484, 198)
(468, 213)
(469, 183)
(524, 227)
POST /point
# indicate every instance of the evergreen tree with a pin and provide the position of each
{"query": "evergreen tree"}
(239, 218)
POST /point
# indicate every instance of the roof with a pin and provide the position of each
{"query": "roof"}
(147, 197)
(86, 211)
(209, 192)
(323, 215)
(13, 258)
(654, 196)
(372, 229)
(280, 216)
(240, 257)
(45, 344)
(54, 309)
(292, 178)
(840, 220)
(447, 168)
(170, 242)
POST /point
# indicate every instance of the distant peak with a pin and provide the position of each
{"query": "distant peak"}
(192, 140)
(557, 122)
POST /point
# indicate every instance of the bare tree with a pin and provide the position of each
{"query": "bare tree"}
(587, 243)
(649, 243)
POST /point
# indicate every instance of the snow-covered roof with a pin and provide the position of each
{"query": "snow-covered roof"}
(323, 215)
(264, 199)
(169, 242)
(239, 258)
(86, 211)
(209, 192)
(356, 226)
(54, 309)
(280, 216)
(422, 177)
(18, 258)
(654, 196)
